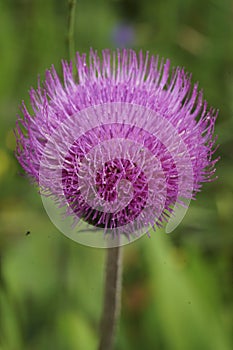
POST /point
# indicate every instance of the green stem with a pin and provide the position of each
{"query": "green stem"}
(112, 298)
(71, 23)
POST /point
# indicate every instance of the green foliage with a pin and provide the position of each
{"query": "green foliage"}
(177, 288)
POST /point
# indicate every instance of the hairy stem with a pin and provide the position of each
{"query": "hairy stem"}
(112, 298)
(70, 34)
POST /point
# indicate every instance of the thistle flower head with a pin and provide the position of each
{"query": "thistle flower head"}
(120, 145)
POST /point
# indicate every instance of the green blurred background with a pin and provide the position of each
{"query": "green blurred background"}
(177, 288)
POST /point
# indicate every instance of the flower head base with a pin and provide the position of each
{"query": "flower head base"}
(120, 147)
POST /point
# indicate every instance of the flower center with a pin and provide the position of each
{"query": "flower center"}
(112, 177)
(119, 182)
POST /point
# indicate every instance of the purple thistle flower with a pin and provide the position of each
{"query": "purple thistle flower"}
(119, 145)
